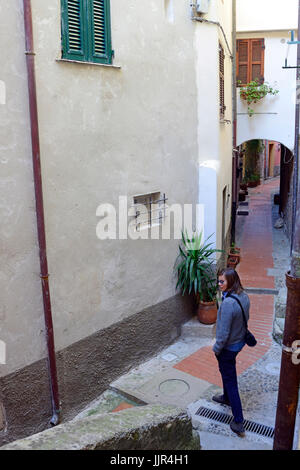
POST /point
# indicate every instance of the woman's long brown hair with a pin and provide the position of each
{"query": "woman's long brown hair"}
(233, 280)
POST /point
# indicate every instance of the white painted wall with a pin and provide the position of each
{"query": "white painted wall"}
(214, 136)
(267, 15)
(277, 118)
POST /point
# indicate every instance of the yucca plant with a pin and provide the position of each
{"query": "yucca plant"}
(194, 267)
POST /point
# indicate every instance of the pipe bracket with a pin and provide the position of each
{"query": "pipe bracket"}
(288, 349)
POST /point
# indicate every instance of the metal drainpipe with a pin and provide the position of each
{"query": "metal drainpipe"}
(40, 209)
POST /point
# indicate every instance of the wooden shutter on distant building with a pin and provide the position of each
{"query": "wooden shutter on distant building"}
(222, 80)
(250, 60)
(257, 59)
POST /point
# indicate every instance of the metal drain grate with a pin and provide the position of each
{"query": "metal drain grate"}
(251, 426)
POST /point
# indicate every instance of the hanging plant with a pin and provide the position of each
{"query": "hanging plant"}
(254, 92)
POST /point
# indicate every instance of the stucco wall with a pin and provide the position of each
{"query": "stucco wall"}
(214, 135)
(104, 132)
(21, 311)
(267, 15)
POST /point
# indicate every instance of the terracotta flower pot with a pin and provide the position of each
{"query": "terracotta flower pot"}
(207, 312)
(232, 261)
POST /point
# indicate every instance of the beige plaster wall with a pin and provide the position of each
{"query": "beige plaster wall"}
(104, 132)
(145, 126)
(21, 312)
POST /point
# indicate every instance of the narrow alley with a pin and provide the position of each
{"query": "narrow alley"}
(186, 373)
(144, 152)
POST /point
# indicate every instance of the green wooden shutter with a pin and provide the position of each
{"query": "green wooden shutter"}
(73, 41)
(100, 31)
(86, 32)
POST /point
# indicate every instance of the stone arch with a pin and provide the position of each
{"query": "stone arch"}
(269, 138)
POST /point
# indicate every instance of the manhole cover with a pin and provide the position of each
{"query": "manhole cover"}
(174, 387)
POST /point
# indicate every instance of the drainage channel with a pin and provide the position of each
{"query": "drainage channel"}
(251, 426)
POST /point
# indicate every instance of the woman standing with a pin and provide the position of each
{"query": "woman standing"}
(230, 339)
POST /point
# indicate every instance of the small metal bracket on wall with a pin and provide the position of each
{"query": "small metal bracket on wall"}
(292, 42)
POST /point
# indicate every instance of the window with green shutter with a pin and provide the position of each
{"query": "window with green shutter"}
(86, 33)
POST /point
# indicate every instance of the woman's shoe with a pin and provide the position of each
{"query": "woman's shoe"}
(220, 399)
(238, 428)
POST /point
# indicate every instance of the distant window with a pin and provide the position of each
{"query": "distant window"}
(250, 60)
(222, 80)
(86, 34)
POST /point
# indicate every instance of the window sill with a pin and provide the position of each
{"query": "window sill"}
(89, 63)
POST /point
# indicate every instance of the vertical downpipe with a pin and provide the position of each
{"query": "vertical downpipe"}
(40, 209)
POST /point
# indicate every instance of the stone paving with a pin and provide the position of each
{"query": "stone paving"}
(186, 373)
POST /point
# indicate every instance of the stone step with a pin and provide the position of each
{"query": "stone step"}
(193, 328)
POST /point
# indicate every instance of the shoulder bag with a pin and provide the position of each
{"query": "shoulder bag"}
(249, 337)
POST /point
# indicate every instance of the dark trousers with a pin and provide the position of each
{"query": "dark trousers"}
(227, 367)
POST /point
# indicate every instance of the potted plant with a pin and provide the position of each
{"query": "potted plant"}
(234, 254)
(254, 181)
(242, 196)
(232, 261)
(234, 249)
(195, 273)
(254, 92)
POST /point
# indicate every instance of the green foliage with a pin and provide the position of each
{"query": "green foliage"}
(253, 148)
(194, 267)
(251, 177)
(254, 92)
(255, 177)
(233, 249)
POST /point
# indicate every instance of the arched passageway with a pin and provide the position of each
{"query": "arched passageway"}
(261, 160)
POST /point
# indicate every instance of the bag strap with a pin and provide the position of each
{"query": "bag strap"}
(244, 316)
